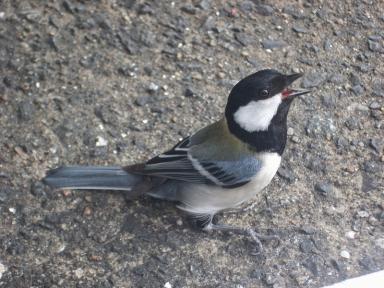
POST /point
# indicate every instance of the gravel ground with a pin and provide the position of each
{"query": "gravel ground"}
(115, 82)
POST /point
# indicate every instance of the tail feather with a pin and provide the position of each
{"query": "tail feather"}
(91, 177)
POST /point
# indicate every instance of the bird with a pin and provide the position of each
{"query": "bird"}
(220, 167)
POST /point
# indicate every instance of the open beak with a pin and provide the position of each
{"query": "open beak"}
(289, 92)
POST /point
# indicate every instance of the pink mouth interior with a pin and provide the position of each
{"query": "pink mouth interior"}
(287, 92)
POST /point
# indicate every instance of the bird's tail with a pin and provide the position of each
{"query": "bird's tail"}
(91, 177)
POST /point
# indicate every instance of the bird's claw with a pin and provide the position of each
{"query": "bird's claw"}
(257, 238)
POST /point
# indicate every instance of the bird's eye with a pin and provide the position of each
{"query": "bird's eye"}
(264, 93)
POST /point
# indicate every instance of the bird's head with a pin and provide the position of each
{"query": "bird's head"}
(261, 99)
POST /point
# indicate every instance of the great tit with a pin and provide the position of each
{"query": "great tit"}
(220, 166)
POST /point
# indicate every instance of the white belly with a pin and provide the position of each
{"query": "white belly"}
(204, 199)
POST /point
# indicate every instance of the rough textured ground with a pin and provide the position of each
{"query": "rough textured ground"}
(114, 82)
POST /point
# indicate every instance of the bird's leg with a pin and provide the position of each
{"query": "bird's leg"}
(256, 237)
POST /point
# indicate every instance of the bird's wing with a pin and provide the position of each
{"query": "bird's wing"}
(183, 163)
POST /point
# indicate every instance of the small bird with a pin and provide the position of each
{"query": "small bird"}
(219, 167)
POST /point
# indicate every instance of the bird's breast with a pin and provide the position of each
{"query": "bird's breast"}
(209, 199)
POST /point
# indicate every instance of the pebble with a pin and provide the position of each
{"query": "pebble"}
(313, 80)
(167, 285)
(272, 44)
(196, 75)
(3, 269)
(244, 38)
(152, 88)
(341, 142)
(374, 37)
(79, 273)
(327, 45)
(299, 29)
(352, 123)
(375, 106)
(189, 8)
(3, 196)
(375, 46)
(293, 11)
(26, 110)
(358, 90)
(378, 88)
(325, 189)
(66, 192)
(264, 10)
(377, 144)
(295, 139)
(318, 126)
(307, 246)
(354, 79)
(329, 100)
(345, 254)
(204, 4)
(286, 174)
(290, 131)
(373, 221)
(358, 107)
(362, 214)
(350, 234)
(101, 142)
(380, 242)
(37, 189)
(136, 39)
(337, 79)
(246, 6)
(142, 100)
(189, 92)
(87, 211)
(369, 183)
(368, 263)
(370, 166)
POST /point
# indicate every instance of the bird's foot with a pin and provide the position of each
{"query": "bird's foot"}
(256, 237)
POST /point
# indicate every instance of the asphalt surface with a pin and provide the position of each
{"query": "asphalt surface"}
(116, 82)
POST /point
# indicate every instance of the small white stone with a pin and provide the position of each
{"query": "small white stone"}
(100, 141)
(179, 222)
(380, 242)
(2, 15)
(295, 139)
(12, 210)
(153, 87)
(167, 285)
(3, 268)
(79, 273)
(61, 248)
(290, 131)
(350, 234)
(145, 121)
(363, 214)
(345, 254)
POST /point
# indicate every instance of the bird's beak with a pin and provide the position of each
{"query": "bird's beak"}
(289, 92)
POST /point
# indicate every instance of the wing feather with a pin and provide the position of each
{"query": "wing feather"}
(179, 164)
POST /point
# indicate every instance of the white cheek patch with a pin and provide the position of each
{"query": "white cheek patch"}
(257, 115)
